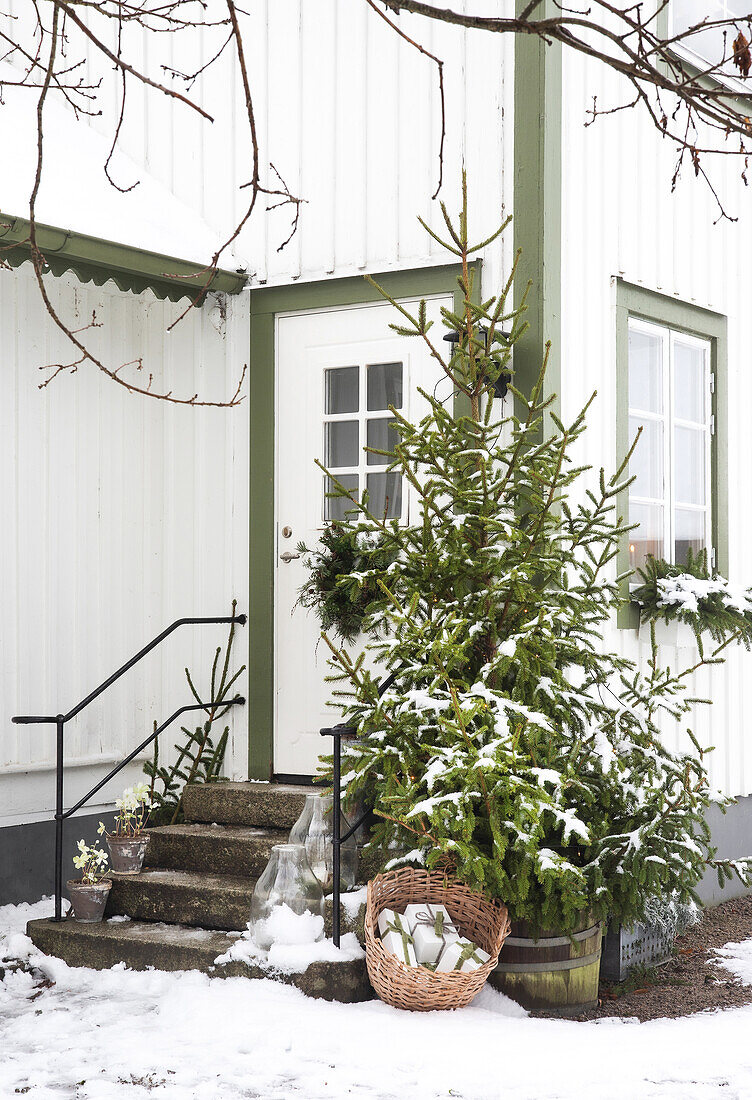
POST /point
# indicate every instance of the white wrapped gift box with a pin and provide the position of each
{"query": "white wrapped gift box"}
(389, 917)
(418, 913)
(432, 930)
(462, 955)
(401, 946)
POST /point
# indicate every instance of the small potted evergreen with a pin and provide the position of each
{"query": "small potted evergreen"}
(89, 893)
(128, 842)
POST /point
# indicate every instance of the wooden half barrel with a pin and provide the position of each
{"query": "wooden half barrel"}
(553, 973)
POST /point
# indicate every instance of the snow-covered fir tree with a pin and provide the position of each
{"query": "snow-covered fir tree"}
(511, 747)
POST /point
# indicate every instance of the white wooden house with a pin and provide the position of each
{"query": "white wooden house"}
(121, 514)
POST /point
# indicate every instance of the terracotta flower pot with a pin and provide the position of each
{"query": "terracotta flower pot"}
(127, 853)
(88, 900)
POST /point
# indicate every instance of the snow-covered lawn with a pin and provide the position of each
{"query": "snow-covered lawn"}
(119, 1034)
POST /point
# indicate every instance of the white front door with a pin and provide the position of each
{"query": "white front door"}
(337, 373)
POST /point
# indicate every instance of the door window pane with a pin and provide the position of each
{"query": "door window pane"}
(341, 443)
(647, 460)
(342, 389)
(382, 436)
(690, 533)
(335, 508)
(385, 494)
(689, 465)
(645, 371)
(384, 385)
(689, 381)
(648, 537)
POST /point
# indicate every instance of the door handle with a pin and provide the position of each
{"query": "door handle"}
(287, 556)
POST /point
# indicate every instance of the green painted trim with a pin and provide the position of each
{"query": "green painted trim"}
(266, 304)
(636, 301)
(96, 260)
(537, 202)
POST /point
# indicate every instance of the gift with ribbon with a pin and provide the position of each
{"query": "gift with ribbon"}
(432, 930)
(462, 955)
(397, 939)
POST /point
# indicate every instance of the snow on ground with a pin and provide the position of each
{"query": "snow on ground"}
(121, 1035)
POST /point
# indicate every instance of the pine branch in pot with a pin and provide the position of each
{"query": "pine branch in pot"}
(89, 893)
(128, 842)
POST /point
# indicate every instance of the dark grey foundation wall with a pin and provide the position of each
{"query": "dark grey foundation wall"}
(732, 835)
(27, 854)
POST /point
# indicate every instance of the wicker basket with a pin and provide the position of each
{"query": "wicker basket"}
(416, 988)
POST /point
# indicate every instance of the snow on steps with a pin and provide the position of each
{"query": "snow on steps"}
(196, 887)
(142, 945)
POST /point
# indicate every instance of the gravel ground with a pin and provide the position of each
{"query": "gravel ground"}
(692, 981)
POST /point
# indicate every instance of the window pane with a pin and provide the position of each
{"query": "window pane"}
(385, 494)
(335, 508)
(383, 437)
(689, 381)
(689, 465)
(647, 460)
(689, 533)
(645, 371)
(342, 389)
(648, 537)
(710, 43)
(341, 443)
(384, 385)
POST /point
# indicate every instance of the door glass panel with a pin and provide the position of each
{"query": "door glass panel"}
(689, 533)
(341, 443)
(689, 465)
(384, 385)
(382, 436)
(342, 389)
(385, 495)
(647, 460)
(689, 381)
(645, 371)
(648, 537)
(335, 508)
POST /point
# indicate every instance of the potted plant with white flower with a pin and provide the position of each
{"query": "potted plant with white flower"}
(89, 893)
(128, 841)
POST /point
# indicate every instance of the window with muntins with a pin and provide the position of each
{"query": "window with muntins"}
(670, 399)
(709, 45)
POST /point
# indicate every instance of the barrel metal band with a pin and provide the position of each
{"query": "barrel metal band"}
(554, 941)
(539, 968)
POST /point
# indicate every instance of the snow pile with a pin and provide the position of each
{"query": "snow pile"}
(737, 958)
(284, 925)
(292, 958)
(352, 902)
(686, 592)
(121, 1035)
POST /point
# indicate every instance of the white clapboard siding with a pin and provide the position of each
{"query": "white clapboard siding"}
(120, 514)
(621, 219)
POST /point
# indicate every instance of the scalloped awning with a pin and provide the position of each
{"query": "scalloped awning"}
(96, 260)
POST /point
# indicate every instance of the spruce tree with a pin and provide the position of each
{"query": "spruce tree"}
(512, 747)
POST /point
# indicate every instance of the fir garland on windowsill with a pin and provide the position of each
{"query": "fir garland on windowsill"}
(691, 594)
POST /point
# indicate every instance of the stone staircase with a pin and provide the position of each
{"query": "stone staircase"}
(195, 889)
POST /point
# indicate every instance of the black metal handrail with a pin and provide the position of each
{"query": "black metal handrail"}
(59, 720)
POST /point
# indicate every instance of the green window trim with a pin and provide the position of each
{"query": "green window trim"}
(661, 309)
(96, 260)
(266, 304)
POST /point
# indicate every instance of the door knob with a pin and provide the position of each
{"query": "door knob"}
(287, 556)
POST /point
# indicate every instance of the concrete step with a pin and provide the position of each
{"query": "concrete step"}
(262, 805)
(239, 850)
(183, 897)
(199, 900)
(172, 947)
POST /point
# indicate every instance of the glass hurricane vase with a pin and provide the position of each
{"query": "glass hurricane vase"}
(288, 903)
(313, 829)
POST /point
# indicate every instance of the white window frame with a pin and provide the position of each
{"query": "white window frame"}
(669, 337)
(685, 52)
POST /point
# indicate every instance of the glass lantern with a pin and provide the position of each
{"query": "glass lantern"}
(314, 830)
(288, 902)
